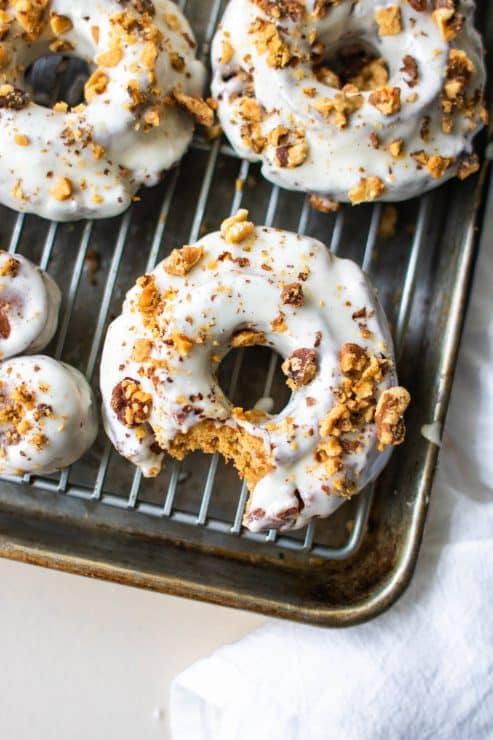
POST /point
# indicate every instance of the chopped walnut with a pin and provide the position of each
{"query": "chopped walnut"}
(292, 9)
(181, 261)
(149, 296)
(367, 189)
(60, 24)
(396, 148)
(437, 166)
(141, 350)
(353, 359)
(340, 107)
(389, 20)
(31, 16)
(292, 294)
(268, 39)
(110, 58)
(387, 100)
(247, 338)
(237, 228)
(63, 189)
(10, 267)
(291, 155)
(389, 414)
(448, 21)
(12, 97)
(182, 343)
(227, 52)
(323, 203)
(300, 368)
(409, 70)
(200, 111)
(130, 403)
(95, 85)
(337, 421)
(468, 165)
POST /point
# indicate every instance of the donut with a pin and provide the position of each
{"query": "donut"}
(351, 101)
(29, 306)
(245, 286)
(141, 101)
(47, 415)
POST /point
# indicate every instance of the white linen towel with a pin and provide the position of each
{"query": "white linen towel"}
(424, 669)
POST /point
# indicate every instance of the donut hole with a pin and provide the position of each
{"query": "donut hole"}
(259, 366)
(54, 78)
(353, 62)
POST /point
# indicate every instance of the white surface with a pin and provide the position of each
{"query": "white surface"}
(422, 670)
(88, 660)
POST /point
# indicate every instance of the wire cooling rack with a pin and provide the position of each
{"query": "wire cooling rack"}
(95, 263)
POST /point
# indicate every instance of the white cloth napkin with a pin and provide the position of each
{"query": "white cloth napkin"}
(422, 670)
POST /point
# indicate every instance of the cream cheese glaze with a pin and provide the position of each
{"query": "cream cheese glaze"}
(256, 285)
(281, 103)
(29, 306)
(47, 415)
(138, 118)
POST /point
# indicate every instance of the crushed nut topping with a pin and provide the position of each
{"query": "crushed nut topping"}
(200, 111)
(437, 166)
(389, 20)
(292, 294)
(367, 189)
(300, 368)
(60, 24)
(468, 165)
(12, 97)
(181, 261)
(247, 338)
(389, 416)
(130, 403)
(237, 228)
(268, 40)
(409, 70)
(340, 107)
(387, 100)
(323, 203)
(448, 20)
(95, 85)
(293, 9)
(62, 190)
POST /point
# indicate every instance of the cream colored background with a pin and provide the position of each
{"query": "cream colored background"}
(88, 660)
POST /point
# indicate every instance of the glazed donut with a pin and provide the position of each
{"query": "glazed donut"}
(245, 286)
(140, 104)
(47, 415)
(29, 305)
(351, 101)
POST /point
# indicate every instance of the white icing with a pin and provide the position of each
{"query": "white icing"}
(101, 187)
(29, 305)
(338, 157)
(217, 298)
(68, 429)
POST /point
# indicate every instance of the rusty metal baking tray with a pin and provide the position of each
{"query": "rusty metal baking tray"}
(181, 533)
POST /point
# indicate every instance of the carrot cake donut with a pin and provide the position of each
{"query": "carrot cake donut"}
(47, 415)
(137, 118)
(351, 101)
(242, 286)
(29, 305)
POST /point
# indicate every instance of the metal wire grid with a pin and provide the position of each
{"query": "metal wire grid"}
(167, 509)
